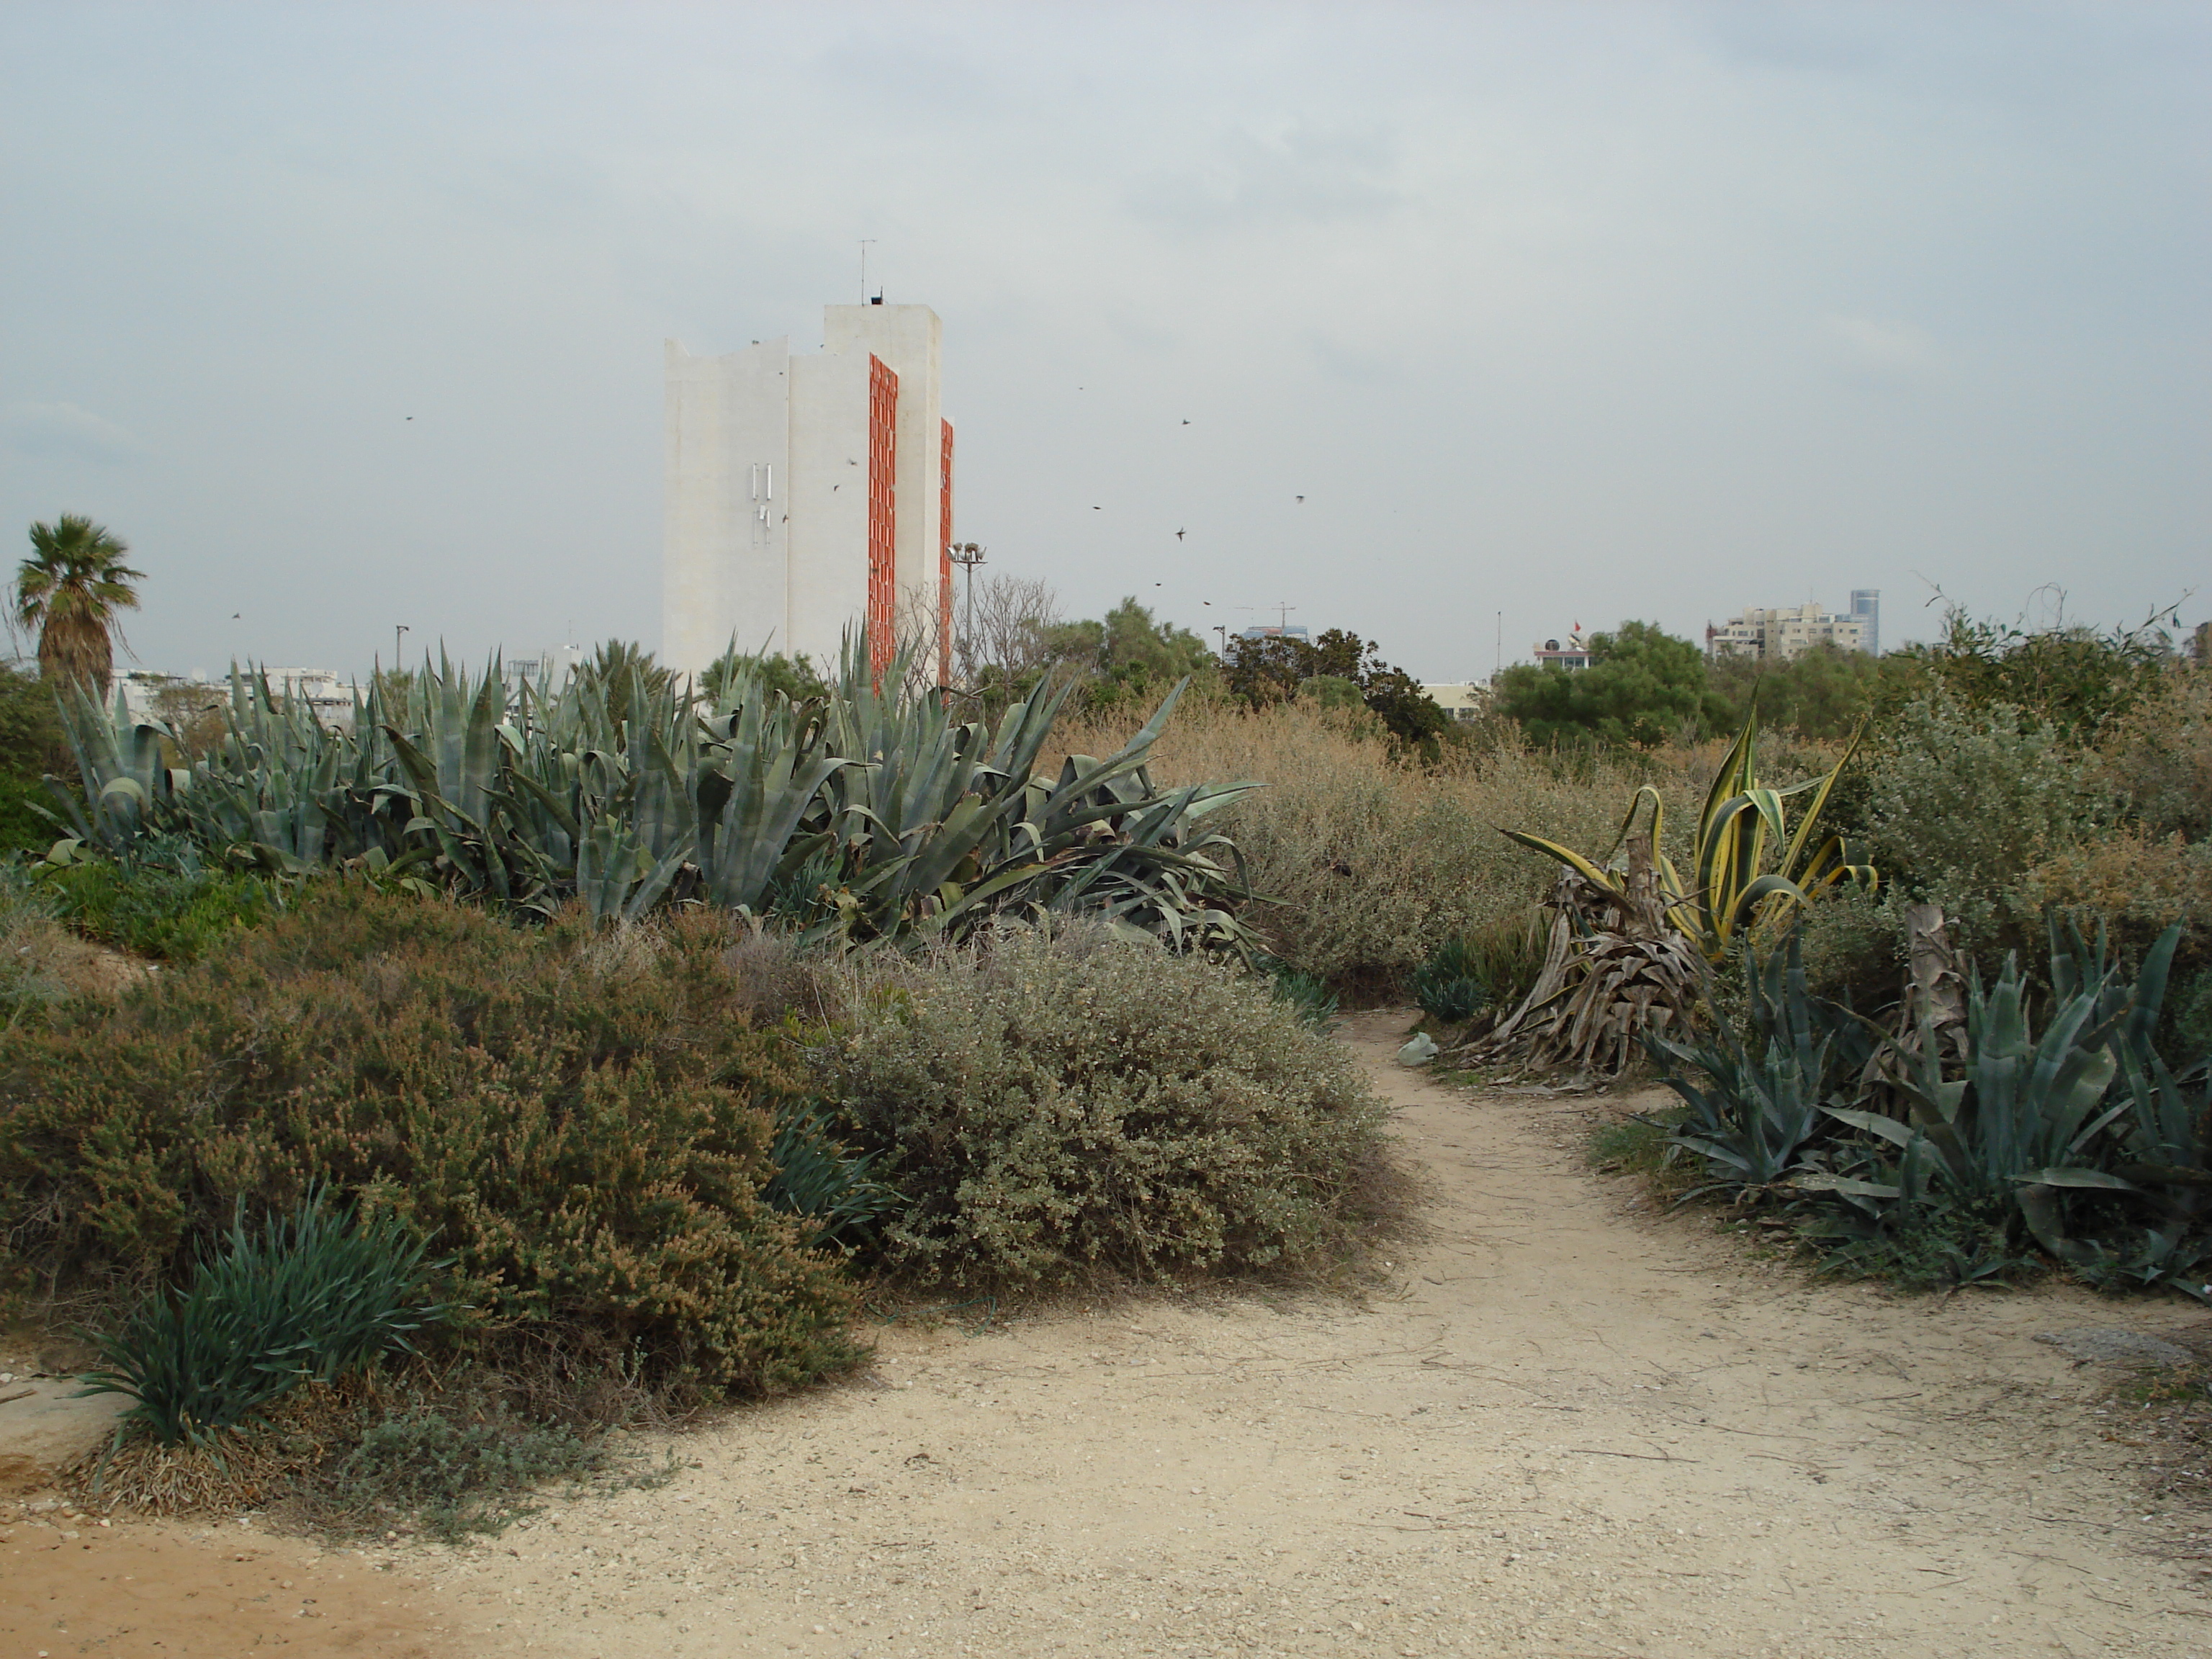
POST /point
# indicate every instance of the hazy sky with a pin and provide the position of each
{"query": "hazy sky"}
(1571, 311)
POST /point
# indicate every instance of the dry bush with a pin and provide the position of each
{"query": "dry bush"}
(583, 1126)
(2138, 883)
(1065, 1106)
(1373, 862)
(2159, 757)
(42, 963)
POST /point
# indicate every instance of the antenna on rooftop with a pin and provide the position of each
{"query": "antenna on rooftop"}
(867, 242)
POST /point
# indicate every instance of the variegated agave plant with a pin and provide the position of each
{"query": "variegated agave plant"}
(1630, 939)
(867, 813)
(1732, 891)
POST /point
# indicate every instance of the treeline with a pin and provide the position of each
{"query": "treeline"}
(1645, 686)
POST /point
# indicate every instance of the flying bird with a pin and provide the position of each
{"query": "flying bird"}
(1097, 509)
(1179, 533)
(1302, 498)
(411, 417)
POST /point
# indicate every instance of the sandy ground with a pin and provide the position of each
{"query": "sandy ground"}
(138, 1590)
(1571, 1428)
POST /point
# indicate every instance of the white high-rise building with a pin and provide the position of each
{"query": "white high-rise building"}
(808, 494)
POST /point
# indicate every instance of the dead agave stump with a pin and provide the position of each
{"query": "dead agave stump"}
(1616, 969)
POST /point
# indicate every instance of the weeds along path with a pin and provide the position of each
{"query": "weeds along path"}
(1572, 1429)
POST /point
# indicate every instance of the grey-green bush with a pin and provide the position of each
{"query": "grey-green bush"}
(1962, 802)
(1062, 1107)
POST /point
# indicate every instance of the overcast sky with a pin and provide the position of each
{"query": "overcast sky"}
(1569, 312)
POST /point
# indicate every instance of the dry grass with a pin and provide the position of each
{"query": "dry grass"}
(233, 1469)
(1373, 863)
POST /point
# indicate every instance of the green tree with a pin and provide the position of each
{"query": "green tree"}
(1128, 655)
(621, 670)
(1822, 692)
(795, 677)
(2071, 679)
(1642, 686)
(1274, 668)
(70, 592)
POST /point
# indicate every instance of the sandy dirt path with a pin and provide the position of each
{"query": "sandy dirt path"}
(1574, 1429)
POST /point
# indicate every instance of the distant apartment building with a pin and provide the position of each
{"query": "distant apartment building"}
(151, 695)
(1776, 634)
(1271, 631)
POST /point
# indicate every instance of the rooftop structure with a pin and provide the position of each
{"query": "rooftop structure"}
(808, 494)
(1572, 652)
(549, 668)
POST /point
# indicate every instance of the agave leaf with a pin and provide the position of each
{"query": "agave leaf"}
(1566, 855)
(1875, 1123)
(2101, 1179)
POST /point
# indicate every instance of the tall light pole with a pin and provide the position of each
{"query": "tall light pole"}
(968, 555)
(398, 628)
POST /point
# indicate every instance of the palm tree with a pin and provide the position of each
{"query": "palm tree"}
(70, 590)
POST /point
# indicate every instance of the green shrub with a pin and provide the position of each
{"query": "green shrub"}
(152, 909)
(1307, 996)
(1060, 1106)
(1854, 946)
(1941, 1246)
(1447, 986)
(583, 1124)
(1960, 803)
(312, 1298)
(30, 745)
(1490, 968)
(2190, 1034)
(433, 1472)
(23, 829)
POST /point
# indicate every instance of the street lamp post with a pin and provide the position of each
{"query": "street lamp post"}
(968, 555)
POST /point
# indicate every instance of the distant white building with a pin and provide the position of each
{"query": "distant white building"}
(1464, 700)
(151, 695)
(1778, 634)
(548, 668)
(808, 494)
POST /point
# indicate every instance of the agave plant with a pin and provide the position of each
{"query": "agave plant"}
(2020, 1124)
(1765, 1102)
(628, 791)
(1731, 892)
